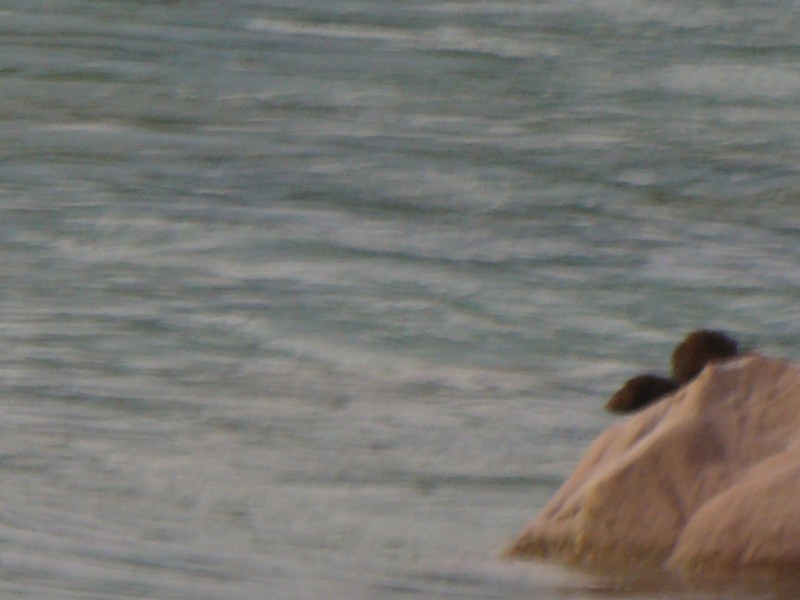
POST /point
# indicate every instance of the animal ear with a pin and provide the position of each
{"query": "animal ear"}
(697, 349)
(639, 392)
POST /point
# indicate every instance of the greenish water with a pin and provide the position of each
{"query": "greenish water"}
(327, 299)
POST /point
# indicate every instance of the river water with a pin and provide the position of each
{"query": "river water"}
(309, 299)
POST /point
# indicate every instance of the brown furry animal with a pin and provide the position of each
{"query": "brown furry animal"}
(698, 349)
(639, 392)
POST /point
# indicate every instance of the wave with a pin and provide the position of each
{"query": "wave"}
(445, 38)
(733, 81)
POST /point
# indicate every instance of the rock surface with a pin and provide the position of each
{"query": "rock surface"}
(705, 481)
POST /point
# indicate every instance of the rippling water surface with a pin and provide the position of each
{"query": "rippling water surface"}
(325, 299)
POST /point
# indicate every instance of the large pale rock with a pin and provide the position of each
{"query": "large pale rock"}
(704, 481)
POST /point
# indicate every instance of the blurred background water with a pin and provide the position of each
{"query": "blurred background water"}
(324, 299)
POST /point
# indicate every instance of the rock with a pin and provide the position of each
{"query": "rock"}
(706, 481)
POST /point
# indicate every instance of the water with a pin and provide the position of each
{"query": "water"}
(325, 299)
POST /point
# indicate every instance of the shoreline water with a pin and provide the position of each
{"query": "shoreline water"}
(309, 299)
